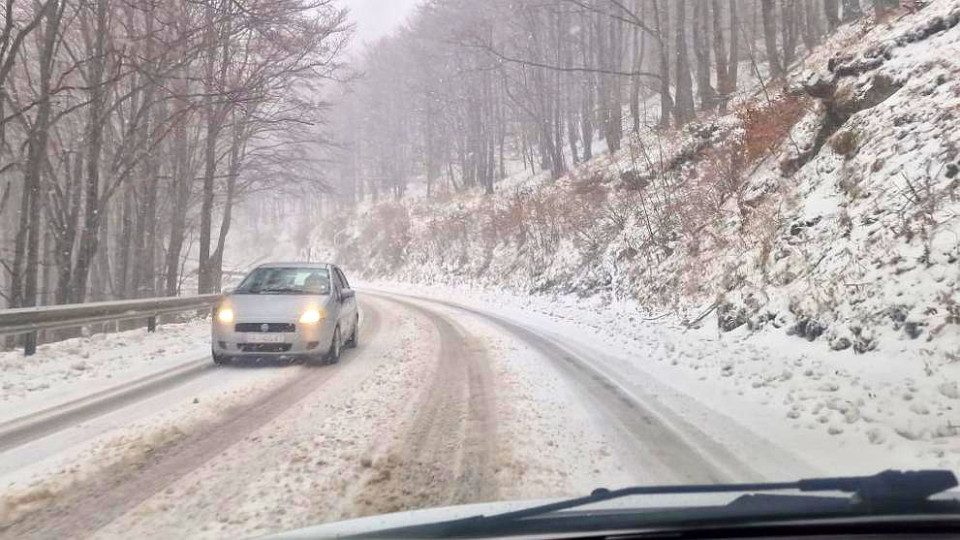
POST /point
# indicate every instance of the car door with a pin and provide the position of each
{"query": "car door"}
(349, 300)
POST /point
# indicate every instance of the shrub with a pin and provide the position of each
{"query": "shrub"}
(766, 126)
(846, 143)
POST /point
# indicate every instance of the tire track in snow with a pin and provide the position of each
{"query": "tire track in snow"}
(21, 431)
(654, 441)
(446, 455)
(90, 506)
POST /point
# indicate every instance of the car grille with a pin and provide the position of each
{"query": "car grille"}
(271, 327)
(264, 347)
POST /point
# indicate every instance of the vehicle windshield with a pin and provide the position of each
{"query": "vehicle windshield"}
(274, 264)
(286, 281)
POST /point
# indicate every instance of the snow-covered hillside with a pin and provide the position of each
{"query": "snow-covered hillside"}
(826, 208)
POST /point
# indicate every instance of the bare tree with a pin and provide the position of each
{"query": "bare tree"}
(25, 270)
(880, 7)
(851, 10)
(683, 111)
(90, 231)
(662, 20)
(769, 11)
(100, 98)
(811, 26)
(831, 10)
(789, 30)
(701, 50)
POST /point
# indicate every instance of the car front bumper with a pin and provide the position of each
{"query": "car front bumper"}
(304, 340)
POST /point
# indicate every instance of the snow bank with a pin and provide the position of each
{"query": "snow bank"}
(77, 367)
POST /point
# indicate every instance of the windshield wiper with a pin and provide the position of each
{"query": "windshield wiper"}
(889, 492)
(269, 290)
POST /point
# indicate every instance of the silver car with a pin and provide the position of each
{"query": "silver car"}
(287, 310)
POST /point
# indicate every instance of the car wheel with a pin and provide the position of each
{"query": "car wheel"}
(333, 356)
(355, 336)
(220, 359)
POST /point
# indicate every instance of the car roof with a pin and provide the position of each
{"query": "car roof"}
(295, 265)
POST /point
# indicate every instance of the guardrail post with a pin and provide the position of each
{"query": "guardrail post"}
(152, 324)
(30, 343)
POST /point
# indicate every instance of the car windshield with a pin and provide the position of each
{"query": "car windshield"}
(286, 281)
(274, 264)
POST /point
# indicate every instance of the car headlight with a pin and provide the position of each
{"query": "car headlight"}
(311, 316)
(225, 315)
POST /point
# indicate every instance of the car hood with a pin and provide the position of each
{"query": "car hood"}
(273, 307)
(374, 524)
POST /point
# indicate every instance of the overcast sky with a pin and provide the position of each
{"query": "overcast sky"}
(376, 18)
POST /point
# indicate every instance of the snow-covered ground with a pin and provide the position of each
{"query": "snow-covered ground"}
(442, 405)
(67, 370)
(361, 442)
(792, 264)
(842, 412)
(83, 460)
(344, 451)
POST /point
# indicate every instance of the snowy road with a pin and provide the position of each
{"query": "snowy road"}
(441, 404)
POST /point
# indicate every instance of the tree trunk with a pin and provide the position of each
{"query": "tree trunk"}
(20, 243)
(769, 13)
(212, 115)
(90, 232)
(179, 193)
(573, 136)
(233, 171)
(429, 147)
(599, 58)
(733, 74)
(880, 7)
(831, 10)
(662, 19)
(588, 89)
(613, 125)
(851, 10)
(36, 156)
(720, 54)
(125, 244)
(701, 50)
(684, 109)
(788, 9)
(101, 287)
(487, 132)
(143, 283)
(502, 130)
(144, 270)
(206, 205)
(66, 233)
(639, 49)
(811, 26)
(47, 282)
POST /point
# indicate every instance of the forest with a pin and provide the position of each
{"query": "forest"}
(134, 134)
(131, 130)
(469, 88)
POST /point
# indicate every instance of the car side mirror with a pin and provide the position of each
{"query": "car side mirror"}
(348, 294)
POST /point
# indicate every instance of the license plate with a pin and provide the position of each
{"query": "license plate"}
(265, 338)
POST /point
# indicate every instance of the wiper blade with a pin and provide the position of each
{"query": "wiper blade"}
(883, 488)
(277, 290)
(888, 487)
(889, 490)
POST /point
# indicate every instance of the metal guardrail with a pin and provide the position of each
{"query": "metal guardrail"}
(31, 320)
